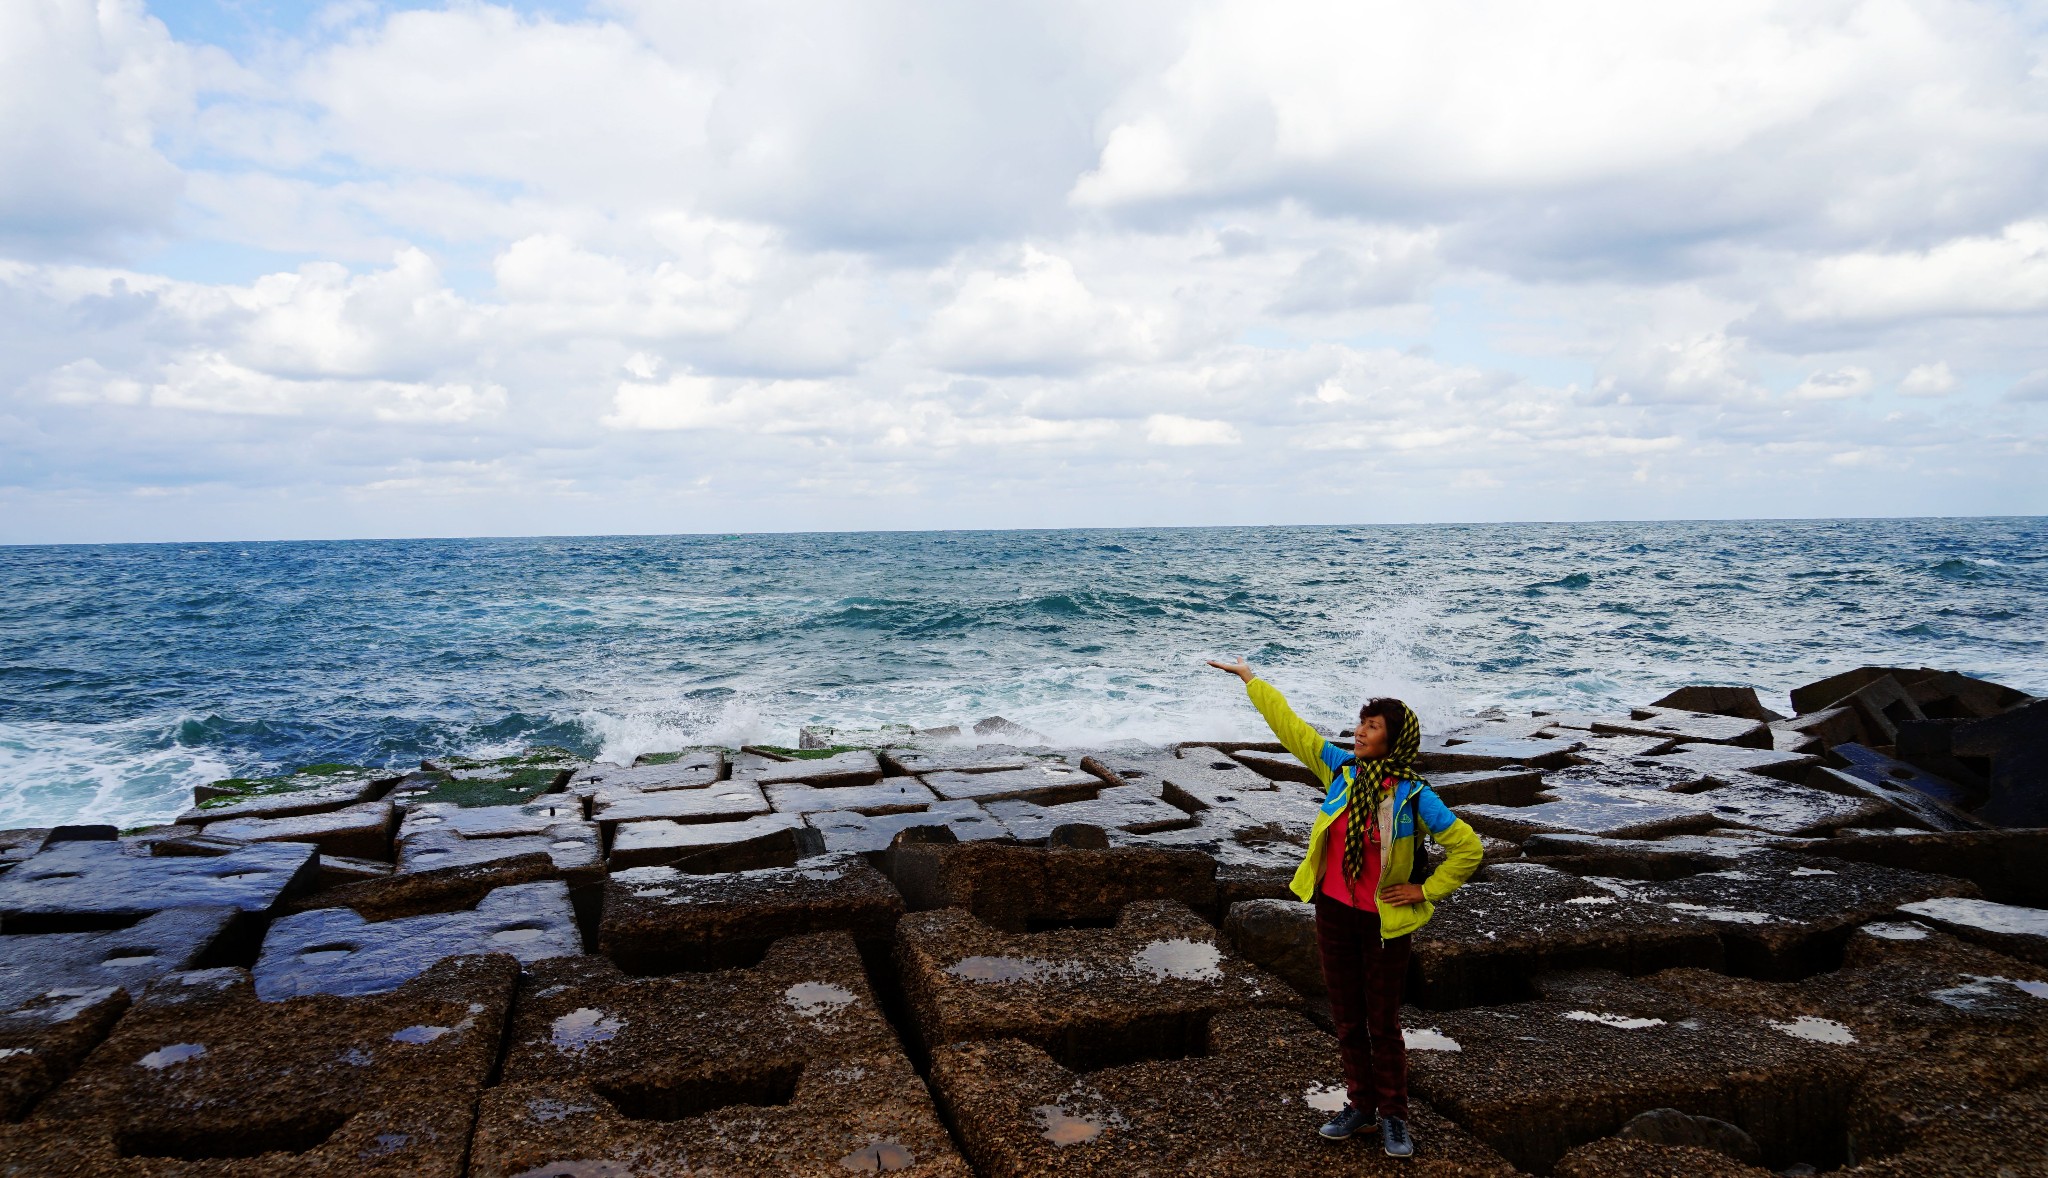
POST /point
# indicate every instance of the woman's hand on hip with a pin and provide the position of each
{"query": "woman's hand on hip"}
(1402, 895)
(1239, 668)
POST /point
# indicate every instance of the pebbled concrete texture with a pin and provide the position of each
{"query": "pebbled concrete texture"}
(1144, 988)
(1246, 1105)
(2008, 928)
(336, 951)
(659, 919)
(83, 881)
(760, 840)
(1615, 1157)
(1127, 808)
(44, 1035)
(1015, 887)
(787, 1067)
(202, 1077)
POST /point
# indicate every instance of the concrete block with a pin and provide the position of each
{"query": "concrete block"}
(847, 830)
(1490, 937)
(1711, 760)
(361, 831)
(1262, 1082)
(200, 1077)
(891, 795)
(21, 843)
(1514, 785)
(82, 885)
(1472, 749)
(860, 767)
(784, 1068)
(2005, 864)
(1828, 692)
(1094, 997)
(573, 847)
(1689, 727)
(335, 951)
(723, 802)
(1278, 936)
(427, 890)
(43, 1037)
(1018, 889)
(660, 920)
(764, 840)
(1622, 1157)
(1906, 803)
(1275, 766)
(1786, 917)
(1045, 782)
(2007, 928)
(1740, 702)
(694, 770)
(308, 791)
(497, 781)
(481, 822)
(961, 759)
(2016, 744)
(1535, 1080)
(1611, 813)
(126, 958)
(1779, 807)
(1119, 807)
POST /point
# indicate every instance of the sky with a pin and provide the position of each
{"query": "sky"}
(274, 271)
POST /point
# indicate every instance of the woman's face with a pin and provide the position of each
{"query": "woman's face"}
(1369, 739)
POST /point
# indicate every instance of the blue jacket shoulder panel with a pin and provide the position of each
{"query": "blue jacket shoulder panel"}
(1334, 756)
(1435, 815)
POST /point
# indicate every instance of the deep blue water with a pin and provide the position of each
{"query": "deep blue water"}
(129, 672)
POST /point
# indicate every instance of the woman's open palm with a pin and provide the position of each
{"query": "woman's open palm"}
(1239, 668)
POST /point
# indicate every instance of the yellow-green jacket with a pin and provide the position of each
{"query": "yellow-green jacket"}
(1334, 767)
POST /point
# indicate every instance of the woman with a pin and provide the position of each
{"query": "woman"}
(1361, 872)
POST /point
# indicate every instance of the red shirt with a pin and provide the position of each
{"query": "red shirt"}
(1365, 894)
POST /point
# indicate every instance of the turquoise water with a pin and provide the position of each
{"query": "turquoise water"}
(130, 672)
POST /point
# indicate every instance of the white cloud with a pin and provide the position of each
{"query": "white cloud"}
(1837, 385)
(85, 89)
(1167, 429)
(1037, 315)
(1928, 380)
(2002, 275)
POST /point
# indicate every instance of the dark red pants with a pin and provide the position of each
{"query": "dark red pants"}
(1365, 977)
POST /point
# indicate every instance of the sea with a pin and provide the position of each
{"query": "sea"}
(130, 673)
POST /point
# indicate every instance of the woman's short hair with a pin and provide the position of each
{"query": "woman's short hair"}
(1387, 708)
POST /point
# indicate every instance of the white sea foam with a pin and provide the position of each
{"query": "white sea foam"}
(128, 774)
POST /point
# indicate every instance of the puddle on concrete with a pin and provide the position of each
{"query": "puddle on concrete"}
(1618, 1021)
(545, 1110)
(880, 1156)
(1799, 871)
(1985, 991)
(1328, 1098)
(419, 1034)
(1005, 969)
(386, 1143)
(1428, 1039)
(565, 844)
(518, 934)
(578, 1169)
(1893, 931)
(1182, 959)
(1063, 1128)
(356, 1057)
(814, 999)
(1820, 1030)
(581, 1029)
(5, 1052)
(1726, 915)
(164, 1057)
(1591, 900)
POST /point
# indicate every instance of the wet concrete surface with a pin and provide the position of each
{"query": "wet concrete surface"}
(891, 795)
(846, 830)
(734, 845)
(335, 951)
(1127, 808)
(32, 964)
(72, 884)
(1017, 888)
(360, 831)
(1044, 781)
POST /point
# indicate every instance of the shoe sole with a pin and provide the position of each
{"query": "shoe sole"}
(1348, 1136)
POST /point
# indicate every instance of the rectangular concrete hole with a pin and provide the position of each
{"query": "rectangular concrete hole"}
(764, 1086)
(1091, 1048)
(694, 957)
(295, 1134)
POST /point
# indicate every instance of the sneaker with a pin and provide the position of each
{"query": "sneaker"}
(1394, 1136)
(1347, 1122)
